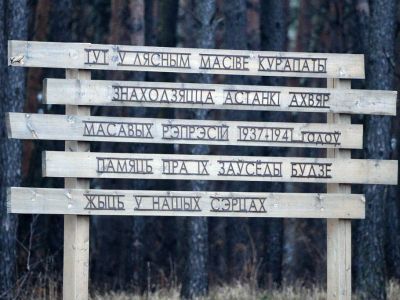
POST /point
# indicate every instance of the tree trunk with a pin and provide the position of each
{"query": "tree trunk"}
(237, 228)
(379, 52)
(392, 237)
(126, 27)
(166, 22)
(137, 37)
(195, 282)
(59, 30)
(392, 210)
(34, 80)
(273, 38)
(162, 18)
(13, 20)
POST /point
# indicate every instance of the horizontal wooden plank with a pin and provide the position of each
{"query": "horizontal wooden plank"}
(218, 96)
(213, 167)
(184, 60)
(146, 130)
(183, 203)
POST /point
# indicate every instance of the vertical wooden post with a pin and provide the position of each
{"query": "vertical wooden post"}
(76, 228)
(338, 230)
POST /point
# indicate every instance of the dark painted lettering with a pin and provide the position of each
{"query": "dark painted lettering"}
(124, 165)
(224, 62)
(238, 204)
(153, 59)
(162, 95)
(96, 56)
(185, 167)
(291, 64)
(254, 98)
(104, 202)
(256, 168)
(168, 203)
(118, 129)
(195, 132)
(312, 100)
(311, 170)
(265, 134)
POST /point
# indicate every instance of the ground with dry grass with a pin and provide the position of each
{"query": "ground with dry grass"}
(244, 292)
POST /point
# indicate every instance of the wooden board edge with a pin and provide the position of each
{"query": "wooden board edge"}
(392, 101)
(7, 122)
(362, 68)
(44, 91)
(9, 199)
(394, 180)
(364, 201)
(14, 60)
(9, 52)
(362, 135)
(395, 95)
(44, 157)
(396, 167)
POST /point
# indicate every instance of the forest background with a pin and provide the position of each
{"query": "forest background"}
(144, 254)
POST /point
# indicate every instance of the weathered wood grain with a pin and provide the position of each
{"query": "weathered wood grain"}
(339, 230)
(76, 228)
(184, 60)
(184, 203)
(213, 167)
(218, 96)
(152, 130)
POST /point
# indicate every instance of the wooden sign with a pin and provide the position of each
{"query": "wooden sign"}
(184, 60)
(113, 129)
(77, 201)
(216, 96)
(212, 167)
(179, 203)
(77, 127)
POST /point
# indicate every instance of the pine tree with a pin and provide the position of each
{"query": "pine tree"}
(195, 283)
(379, 36)
(13, 21)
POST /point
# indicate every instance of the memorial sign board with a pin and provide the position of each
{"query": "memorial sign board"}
(213, 167)
(184, 60)
(77, 201)
(112, 129)
(218, 96)
(184, 203)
